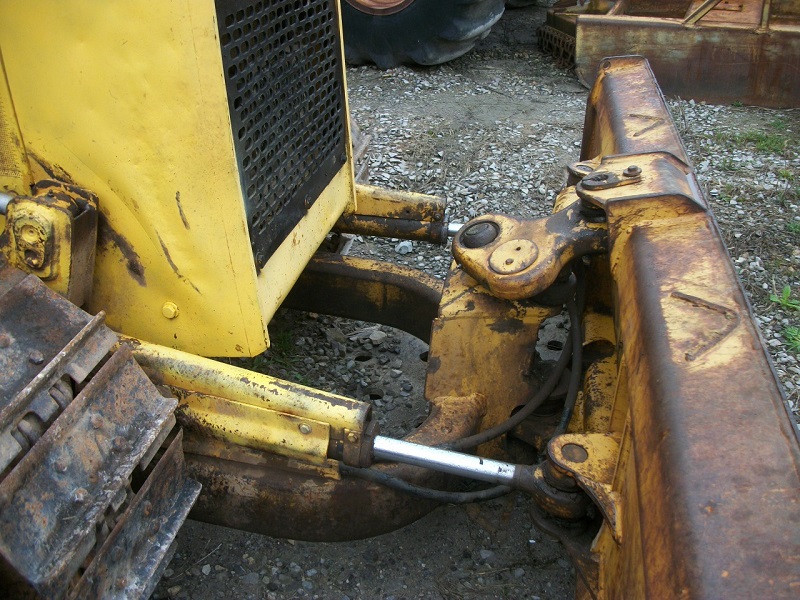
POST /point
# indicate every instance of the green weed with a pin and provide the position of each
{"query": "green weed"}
(778, 123)
(793, 227)
(764, 142)
(728, 165)
(772, 142)
(792, 337)
(785, 299)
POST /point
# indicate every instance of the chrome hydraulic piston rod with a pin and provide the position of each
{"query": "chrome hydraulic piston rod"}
(568, 505)
(446, 461)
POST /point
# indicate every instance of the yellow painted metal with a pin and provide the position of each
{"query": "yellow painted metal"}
(34, 233)
(392, 213)
(594, 408)
(15, 175)
(622, 573)
(284, 267)
(52, 234)
(483, 345)
(592, 459)
(526, 256)
(251, 406)
(382, 202)
(131, 104)
(255, 426)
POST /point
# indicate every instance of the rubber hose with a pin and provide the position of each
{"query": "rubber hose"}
(532, 404)
(429, 494)
(576, 335)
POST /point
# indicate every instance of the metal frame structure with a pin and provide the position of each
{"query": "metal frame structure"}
(719, 51)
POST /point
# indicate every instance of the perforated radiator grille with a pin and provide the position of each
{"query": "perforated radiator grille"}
(286, 95)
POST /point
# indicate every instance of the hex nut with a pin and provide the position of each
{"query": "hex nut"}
(632, 171)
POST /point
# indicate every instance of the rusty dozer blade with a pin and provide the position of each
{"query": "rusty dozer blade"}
(719, 51)
(79, 515)
(691, 454)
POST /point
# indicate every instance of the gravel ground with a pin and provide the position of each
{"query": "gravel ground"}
(491, 132)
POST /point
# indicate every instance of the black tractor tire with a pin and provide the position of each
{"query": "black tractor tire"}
(526, 3)
(423, 32)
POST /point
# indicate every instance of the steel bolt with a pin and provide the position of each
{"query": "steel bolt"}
(80, 496)
(147, 508)
(119, 444)
(307, 201)
(155, 526)
(36, 357)
(96, 421)
(304, 428)
(632, 171)
(61, 465)
(170, 310)
(574, 453)
(352, 437)
(5, 340)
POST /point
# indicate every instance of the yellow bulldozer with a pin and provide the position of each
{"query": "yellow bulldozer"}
(169, 174)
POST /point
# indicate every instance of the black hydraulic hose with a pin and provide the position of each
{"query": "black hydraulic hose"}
(535, 402)
(574, 351)
(575, 374)
(576, 335)
(430, 494)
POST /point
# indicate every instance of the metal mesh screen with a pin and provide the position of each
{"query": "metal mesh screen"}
(283, 72)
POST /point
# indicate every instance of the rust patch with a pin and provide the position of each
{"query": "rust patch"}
(107, 236)
(507, 326)
(53, 171)
(180, 210)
